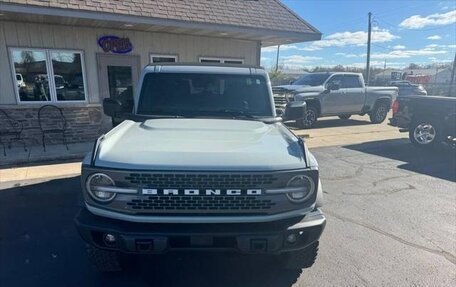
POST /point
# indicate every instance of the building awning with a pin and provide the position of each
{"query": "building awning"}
(268, 21)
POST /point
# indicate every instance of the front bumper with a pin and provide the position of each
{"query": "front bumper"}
(143, 238)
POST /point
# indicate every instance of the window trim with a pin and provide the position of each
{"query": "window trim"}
(222, 59)
(174, 56)
(50, 74)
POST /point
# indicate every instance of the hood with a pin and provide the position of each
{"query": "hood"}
(301, 88)
(289, 87)
(200, 144)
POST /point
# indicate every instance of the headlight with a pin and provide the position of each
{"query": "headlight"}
(96, 186)
(301, 188)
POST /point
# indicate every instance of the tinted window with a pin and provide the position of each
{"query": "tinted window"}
(67, 67)
(203, 94)
(233, 62)
(31, 65)
(312, 79)
(351, 81)
(337, 79)
(163, 59)
(210, 61)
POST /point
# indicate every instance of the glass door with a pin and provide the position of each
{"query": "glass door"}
(118, 76)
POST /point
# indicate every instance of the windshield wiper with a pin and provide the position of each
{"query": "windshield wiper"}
(229, 112)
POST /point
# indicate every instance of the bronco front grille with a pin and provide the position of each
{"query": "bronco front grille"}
(201, 203)
(195, 180)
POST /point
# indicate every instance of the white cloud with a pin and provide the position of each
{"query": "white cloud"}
(437, 19)
(282, 48)
(434, 37)
(358, 38)
(297, 61)
(434, 46)
(340, 39)
(399, 47)
(407, 54)
(347, 55)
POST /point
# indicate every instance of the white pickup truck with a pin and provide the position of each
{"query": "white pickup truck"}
(336, 94)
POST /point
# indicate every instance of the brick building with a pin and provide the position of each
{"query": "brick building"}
(72, 54)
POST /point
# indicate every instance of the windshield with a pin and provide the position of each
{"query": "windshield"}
(180, 94)
(312, 79)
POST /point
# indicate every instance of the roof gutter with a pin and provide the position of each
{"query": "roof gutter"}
(112, 17)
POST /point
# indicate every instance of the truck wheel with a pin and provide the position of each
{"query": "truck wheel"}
(300, 259)
(309, 119)
(104, 260)
(344, 117)
(379, 113)
(425, 134)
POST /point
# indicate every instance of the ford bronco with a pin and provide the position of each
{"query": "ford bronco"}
(202, 163)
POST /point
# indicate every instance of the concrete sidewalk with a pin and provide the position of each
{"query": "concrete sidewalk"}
(333, 131)
(16, 156)
(23, 168)
(328, 132)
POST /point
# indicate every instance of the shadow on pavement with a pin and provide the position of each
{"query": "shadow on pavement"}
(439, 162)
(333, 123)
(39, 246)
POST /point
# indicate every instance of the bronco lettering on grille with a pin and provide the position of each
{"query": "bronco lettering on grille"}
(190, 192)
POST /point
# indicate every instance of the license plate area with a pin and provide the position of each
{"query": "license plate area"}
(202, 241)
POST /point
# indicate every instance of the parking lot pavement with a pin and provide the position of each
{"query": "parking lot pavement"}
(391, 222)
(333, 131)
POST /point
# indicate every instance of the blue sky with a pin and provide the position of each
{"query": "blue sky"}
(405, 31)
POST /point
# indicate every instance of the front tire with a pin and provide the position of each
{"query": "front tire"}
(300, 259)
(379, 113)
(425, 134)
(310, 118)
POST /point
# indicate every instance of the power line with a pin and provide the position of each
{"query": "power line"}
(383, 47)
(382, 21)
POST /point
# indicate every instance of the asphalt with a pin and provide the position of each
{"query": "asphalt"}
(391, 213)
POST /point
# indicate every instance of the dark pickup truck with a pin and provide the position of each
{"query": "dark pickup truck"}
(429, 120)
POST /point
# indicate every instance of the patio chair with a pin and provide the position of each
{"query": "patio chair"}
(10, 131)
(52, 122)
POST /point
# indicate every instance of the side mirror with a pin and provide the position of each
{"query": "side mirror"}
(333, 86)
(294, 111)
(111, 107)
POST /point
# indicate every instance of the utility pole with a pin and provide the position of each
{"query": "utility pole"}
(452, 76)
(369, 30)
(277, 59)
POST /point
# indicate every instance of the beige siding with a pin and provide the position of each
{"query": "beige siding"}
(188, 48)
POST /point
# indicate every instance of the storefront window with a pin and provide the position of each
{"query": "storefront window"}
(31, 75)
(221, 60)
(33, 69)
(68, 76)
(163, 59)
